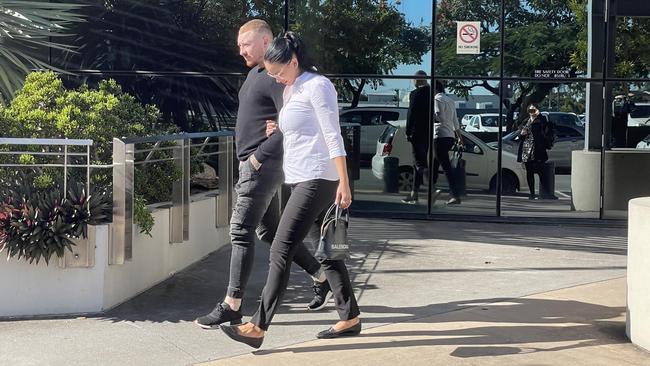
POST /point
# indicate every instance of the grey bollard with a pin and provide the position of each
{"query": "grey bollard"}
(391, 174)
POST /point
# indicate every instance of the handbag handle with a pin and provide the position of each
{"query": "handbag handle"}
(338, 213)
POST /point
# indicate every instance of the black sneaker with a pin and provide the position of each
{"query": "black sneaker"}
(220, 314)
(322, 292)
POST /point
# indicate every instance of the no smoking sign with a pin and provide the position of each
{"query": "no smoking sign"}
(468, 37)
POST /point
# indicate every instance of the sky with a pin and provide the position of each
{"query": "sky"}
(417, 12)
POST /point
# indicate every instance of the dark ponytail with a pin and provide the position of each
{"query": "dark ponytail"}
(283, 48)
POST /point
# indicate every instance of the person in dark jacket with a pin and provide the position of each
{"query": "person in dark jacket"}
(417, 132)
(532, 149)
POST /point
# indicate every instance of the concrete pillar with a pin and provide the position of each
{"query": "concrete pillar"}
(638, 272)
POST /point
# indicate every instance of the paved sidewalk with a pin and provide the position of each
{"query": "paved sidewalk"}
(429, 279)
(582, 325)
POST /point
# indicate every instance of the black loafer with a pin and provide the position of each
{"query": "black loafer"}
(232, 332)
(348, 332)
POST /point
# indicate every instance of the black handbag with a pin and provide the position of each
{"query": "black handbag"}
(458, 169)
(333, 244)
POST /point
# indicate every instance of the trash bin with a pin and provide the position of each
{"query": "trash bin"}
(391, 174)
(547, 182)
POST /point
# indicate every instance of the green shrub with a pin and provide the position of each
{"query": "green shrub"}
(36, 224)
(44, 108)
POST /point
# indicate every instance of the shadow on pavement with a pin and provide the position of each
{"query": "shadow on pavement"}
(488, 330)
(196, 290)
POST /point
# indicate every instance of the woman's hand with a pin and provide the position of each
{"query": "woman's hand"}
(343, 195)
(271, 126)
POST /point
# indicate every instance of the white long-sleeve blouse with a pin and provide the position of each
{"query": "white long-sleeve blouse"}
(309, 121)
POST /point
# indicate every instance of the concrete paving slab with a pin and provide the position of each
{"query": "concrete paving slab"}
(401, 271)
(582, 325)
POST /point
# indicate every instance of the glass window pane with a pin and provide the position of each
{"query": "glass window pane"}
(163, 35)
(450, 60)
(545, 38)
(364, 37)
(561, 180)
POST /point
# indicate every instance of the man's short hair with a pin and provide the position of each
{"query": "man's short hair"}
(256, 25)
(421, 82)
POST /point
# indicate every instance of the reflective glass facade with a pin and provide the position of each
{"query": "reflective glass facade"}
(562, 56)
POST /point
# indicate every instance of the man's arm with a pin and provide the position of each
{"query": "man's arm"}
(411, 115)
(272, 146)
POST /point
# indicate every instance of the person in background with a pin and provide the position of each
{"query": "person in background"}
(446, 133)
(532, 150)
(315, 168)
(417, 132)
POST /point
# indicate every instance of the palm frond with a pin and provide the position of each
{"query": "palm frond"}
(27, 30)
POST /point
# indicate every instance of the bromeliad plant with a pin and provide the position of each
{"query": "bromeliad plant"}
(37, 224)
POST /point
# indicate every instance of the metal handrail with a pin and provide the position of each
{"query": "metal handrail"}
(65, 143)
(37, 141)
(126, 157)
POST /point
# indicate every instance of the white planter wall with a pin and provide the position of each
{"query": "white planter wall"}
(29, 290)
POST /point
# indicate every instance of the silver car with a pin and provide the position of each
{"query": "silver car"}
(480, 159)
(373, 121)
(567, 139)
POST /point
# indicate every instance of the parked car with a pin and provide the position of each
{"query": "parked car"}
(567, 139)
(373, 121)
(481, 162)
(644, 144)
(639, 115)
(465, 120)
(486, 122)
(564, 119)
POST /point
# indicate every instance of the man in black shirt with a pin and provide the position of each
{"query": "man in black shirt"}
(257, 210)
(417, 132)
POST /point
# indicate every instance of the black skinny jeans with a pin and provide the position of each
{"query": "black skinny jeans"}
(533, 167)
(420, 162)
(257, 211)
(307, 201)
(442, 147)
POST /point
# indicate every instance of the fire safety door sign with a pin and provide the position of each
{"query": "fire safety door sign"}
(468, 38)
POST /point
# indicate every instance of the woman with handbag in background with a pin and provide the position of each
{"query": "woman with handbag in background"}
(315, 168)
(532, 151)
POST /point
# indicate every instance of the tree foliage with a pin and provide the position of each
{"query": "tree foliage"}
(45, 108)
(359, 37)
(539, 34)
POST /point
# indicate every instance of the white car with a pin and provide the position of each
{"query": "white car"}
(373, 121)
(564, 119)
(480, 168)
(644, 144)
(639, 115)
(465, 120)
(486, 122)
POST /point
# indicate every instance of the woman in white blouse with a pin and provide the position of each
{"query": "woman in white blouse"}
(314, 167)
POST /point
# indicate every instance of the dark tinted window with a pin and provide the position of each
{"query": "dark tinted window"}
(469, 145)
(489, 121)
(640, 111)
(351, 117)
(563, 119)
(563, 131)
(388, 134)
(390, 116)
